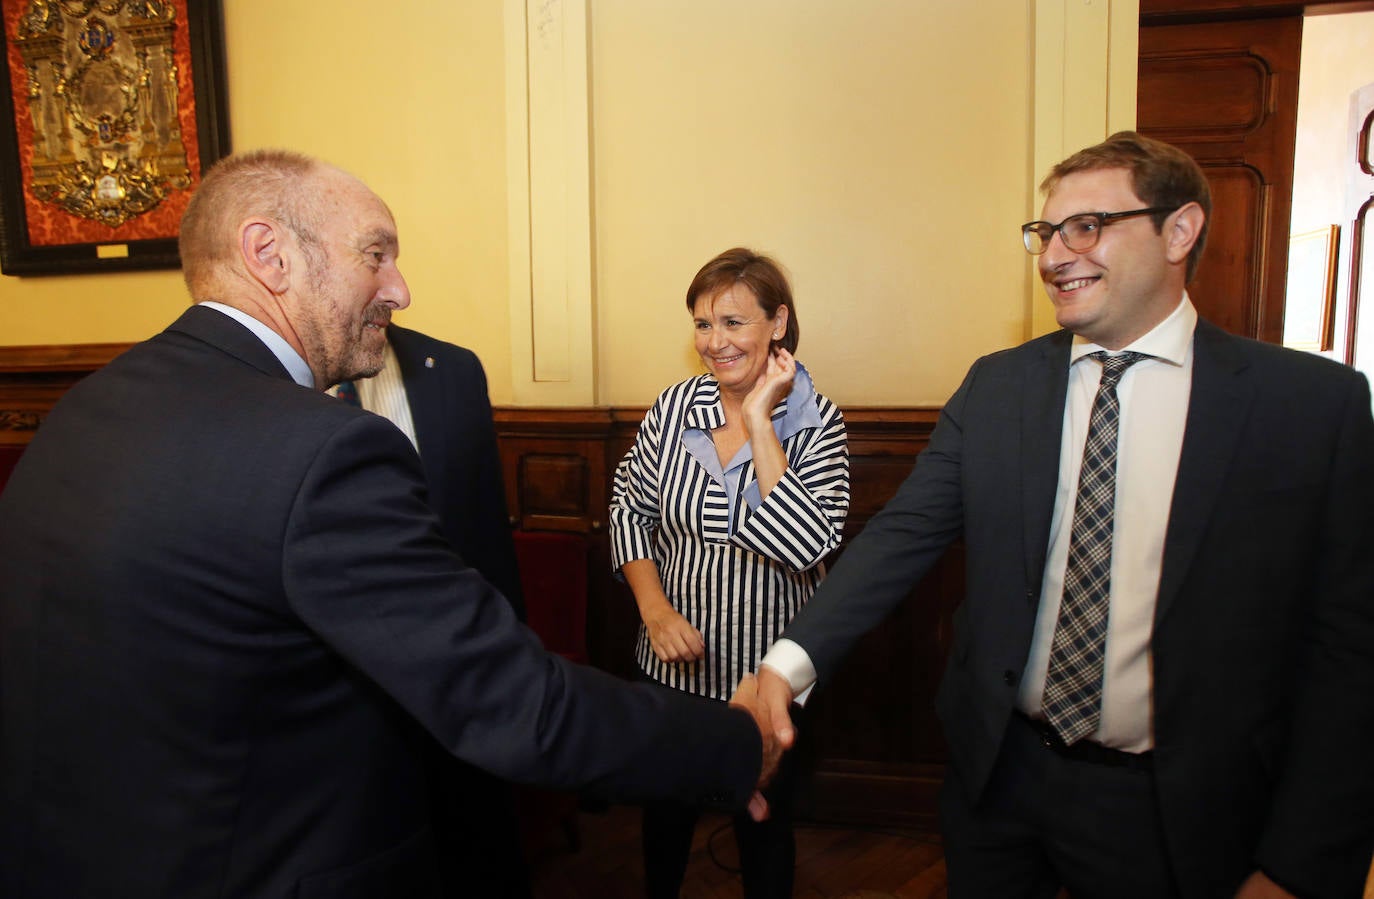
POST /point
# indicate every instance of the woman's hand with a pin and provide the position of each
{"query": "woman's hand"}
(774, 383)
(673, 637)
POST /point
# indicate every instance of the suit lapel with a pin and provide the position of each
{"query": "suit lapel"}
(1218, 405)
(424, 392)
(1042, 425)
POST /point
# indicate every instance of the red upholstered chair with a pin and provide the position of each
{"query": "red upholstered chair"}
(553, 576)
(9, 457)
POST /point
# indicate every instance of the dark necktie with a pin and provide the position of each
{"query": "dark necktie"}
(1073, 683)
(348, 392)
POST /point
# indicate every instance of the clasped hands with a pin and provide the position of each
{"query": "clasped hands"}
(767, 697)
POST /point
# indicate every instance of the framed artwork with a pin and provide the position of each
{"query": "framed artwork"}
(1310, 303)
(109, 112)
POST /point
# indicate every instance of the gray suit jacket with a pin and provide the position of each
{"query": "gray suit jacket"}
(1263, 648)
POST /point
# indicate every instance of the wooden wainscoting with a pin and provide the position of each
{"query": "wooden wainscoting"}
(875, 747)
(33, 379)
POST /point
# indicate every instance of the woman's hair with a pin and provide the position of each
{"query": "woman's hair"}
(761, 275)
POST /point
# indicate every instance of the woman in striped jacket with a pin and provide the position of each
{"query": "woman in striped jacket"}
(734, 492)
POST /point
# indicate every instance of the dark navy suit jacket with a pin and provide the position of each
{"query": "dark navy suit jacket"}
(227, 617)
(1263, 646)
(475, 817)
(449, 406)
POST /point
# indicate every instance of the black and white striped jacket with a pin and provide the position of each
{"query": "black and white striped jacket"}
(736, 567)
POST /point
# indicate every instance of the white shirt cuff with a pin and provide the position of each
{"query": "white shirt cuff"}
(791, 662)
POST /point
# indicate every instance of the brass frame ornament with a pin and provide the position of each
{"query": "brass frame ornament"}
(98, 124)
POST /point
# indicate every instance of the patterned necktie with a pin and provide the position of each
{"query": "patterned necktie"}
(1073, 684)
(348, 392)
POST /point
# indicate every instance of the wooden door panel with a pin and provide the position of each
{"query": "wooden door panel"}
(1227, 93)
(1233, 103)
(1228, 283)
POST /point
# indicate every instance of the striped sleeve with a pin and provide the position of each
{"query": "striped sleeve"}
(802, 518)
(634, 512)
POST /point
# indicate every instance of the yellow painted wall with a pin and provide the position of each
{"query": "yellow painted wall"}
(882, 149)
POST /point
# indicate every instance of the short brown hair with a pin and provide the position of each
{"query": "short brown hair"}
(270, 183)
(761, 275)
(1161, 175)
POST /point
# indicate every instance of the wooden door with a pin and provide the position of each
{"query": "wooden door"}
(1227, 93)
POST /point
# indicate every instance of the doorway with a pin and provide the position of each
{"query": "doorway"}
(1221, 80)
(1331, 192)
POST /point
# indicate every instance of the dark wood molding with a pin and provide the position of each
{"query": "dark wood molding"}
(535, 421)
(1175, 12)
(33, 379)
(73, 357)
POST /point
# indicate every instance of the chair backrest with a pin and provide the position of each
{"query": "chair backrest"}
(9, 457)
(553, 575)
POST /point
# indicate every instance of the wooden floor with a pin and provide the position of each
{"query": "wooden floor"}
(832, 863)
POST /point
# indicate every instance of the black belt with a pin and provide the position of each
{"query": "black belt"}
(1086, 750)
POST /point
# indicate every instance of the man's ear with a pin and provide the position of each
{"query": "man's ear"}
(263, 249)
(1184, 230)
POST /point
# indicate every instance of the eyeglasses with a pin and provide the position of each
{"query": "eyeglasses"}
(1080, 232)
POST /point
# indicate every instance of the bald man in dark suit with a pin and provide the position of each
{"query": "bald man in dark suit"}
(230, 625)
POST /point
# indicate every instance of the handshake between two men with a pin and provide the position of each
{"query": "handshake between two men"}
(767, 696)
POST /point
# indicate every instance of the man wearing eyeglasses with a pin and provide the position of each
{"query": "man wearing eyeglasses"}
(1161, 680)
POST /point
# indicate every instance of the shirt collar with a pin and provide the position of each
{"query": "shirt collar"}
(288, 357)
(798, 409)
(796, 412)
(1167, 341)
(704, 412)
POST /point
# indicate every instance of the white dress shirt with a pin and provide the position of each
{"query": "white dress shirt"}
(288, 357)
(1153, 395)
(385, 394)
(1154, 408)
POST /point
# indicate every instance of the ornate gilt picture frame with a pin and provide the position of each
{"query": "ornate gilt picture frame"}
(109, 112)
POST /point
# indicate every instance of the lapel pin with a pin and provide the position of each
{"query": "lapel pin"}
(429, 362)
